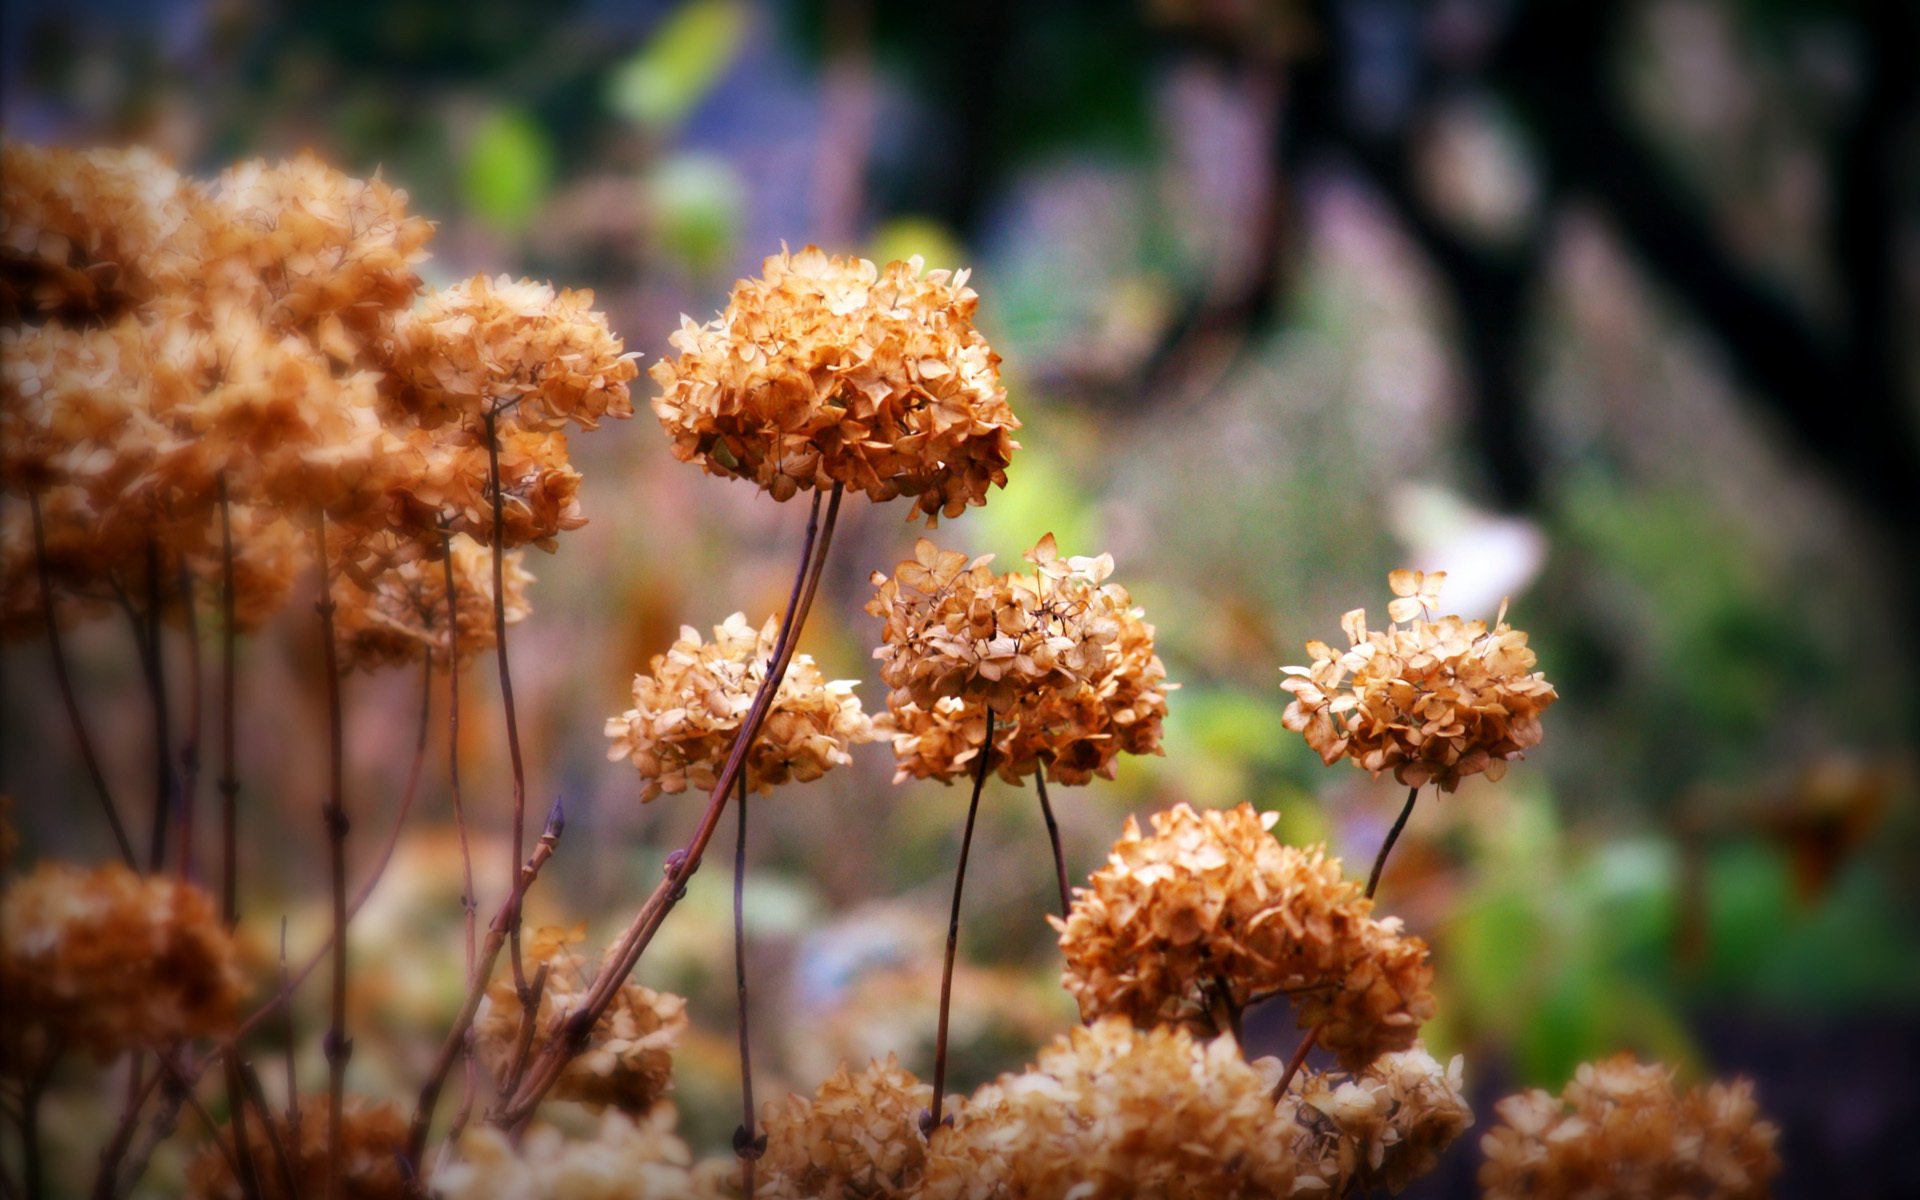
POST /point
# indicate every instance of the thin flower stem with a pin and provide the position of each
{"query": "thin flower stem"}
(229, 784)
(153, 662)
(65, 682)
(106, 1181)
(287, 1040)
(190, 747)
(339, 1047)
(275, 1142)
(248, 1173)
(506, 691)
(745, 1144)
(469, 904)
(30, 1165)
(627, 949)
(953, 929)
(1053, 836)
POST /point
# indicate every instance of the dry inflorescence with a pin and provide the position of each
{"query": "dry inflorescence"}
(627, 1063)
(403, 617)
(1383, 1127)
(628, 1158)
(689, 707)
(1211, 908)
(856, 1138)
(1621, 1129)
(1432, 699)
(829, 371)
(1109, 1111)
(373, 1142)
(104, 960)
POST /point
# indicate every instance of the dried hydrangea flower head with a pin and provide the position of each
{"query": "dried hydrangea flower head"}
(688, 708)
(105, 960)
(628, 1060)
(545, 358)
(953, 628)
(447, 486)
(829, 371)
(1072, 734)
(1380, 1129)
(628, 1158)
(1211, 907)
(1432, 699)
(1109, 1111)
(373, 1142)
(856, 1138)
(1621, 1129)
(403, 617)
(82, 231)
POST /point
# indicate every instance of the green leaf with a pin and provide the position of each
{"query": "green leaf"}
(508, 170)
(674, 71)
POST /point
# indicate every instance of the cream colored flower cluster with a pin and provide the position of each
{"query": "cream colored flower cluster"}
(689, 706)
(1622, 1129)
(373, 1141)
(628, 1158)
(1212, 905)
(1432, 699)
(104, 960)
(1109, 1111)
(829, 371)
(406, 608)
(1379, 1129)
(628, 1060)
(856, 1138)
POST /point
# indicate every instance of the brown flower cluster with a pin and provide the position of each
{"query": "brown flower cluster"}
(952, 628)
(105, 960)
(1621, 1129)
(1382, 1128)
(828, 371)
(628, 1158)
(1109, 1111)
(856, 1138)
(688, 708)
(1432, 699)
(628, 1061)
(373, 1140)
(403, 617)
(1072, 734)
(1211, 908)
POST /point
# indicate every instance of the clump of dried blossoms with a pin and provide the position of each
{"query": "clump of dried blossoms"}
(1381, 1128)
(689, 707)
(373, 1143)
(403, 617)
(1111, 1111)
(1621, 1129)
(952, 628)
(628, 1060)
(1432, 699)
(1210, 910)
(628, 1158)
(829, 371)
(104, 960)
(857, 1137)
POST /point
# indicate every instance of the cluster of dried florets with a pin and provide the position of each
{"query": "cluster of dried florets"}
(406, 609)
(1381, 1128)
(252, 338)
(373, 1146)
(857, 1137)
(104, 960)
(1211, 909)
(688, 709)
(828, 371)
(629, 1158)
(1432, 699)
(1110, 1111)
(627, 1063)
(1621, 1129)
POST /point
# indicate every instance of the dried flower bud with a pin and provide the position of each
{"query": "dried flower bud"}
(1435, 700)
(373, 1141)
(688, 709)
(447, 483)
(856, 1138)
(404, 616)
(1380, 1129)
(829, 371)
(629, 1158)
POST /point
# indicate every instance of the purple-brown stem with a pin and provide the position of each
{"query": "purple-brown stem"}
(506, 691)
(953, 930)
(65, 682)
(282, 1164)
(746, 1144)
(1053, 836)
(247, 1172)
(153, 664)
(627, 949)
(190, 747)
(229, 784)
(106, 1182)
(287, 1042)
(339, 1047)
(469, 904)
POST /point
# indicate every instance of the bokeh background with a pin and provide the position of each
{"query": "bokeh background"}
(1604, 307)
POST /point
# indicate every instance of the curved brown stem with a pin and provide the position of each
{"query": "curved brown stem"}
(1053, 836)
(506, 691)
(65, 682)
(470, 907)
(745, 1144)
(339, 1048)
(953, 930)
